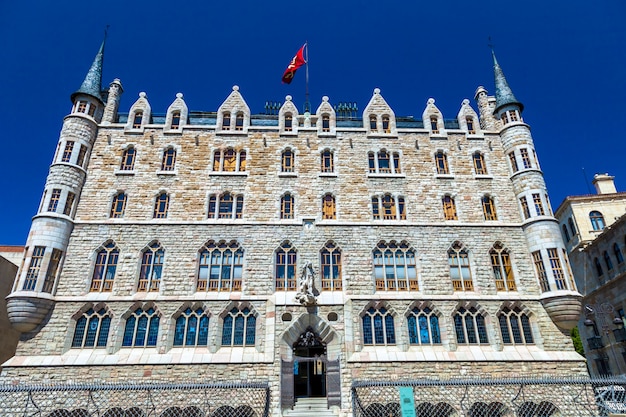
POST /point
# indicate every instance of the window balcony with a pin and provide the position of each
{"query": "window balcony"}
(595, 342)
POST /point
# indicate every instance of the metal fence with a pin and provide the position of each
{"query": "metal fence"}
(539, 397)
(136, 400)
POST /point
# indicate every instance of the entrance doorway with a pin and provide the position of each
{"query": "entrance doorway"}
(309, 365)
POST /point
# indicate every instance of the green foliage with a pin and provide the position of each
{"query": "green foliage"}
(578, 344)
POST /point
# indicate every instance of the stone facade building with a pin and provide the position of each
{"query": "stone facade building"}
(594, 231)
(305, 250)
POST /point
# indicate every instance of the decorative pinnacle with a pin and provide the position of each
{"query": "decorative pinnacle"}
(92, 84)
(504, 94)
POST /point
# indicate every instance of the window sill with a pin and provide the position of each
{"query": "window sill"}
(222, 132)
(475, 136)
(438, 136)
(328, 175)
(287, 174)
(483, 177)
(229, 173)
(125, 172)
(174, 172)
(289, 133)
(375, 135)
(378, 175)
(444, 176)
(170, 131)
(326, 134)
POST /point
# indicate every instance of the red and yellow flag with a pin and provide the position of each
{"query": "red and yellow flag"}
(295, 63)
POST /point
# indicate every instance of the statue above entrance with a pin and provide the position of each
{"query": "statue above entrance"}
(305, 294)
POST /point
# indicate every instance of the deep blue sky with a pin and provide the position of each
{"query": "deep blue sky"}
(564, 61)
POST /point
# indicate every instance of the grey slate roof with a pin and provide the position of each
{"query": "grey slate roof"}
(504, 94)
(92, 85)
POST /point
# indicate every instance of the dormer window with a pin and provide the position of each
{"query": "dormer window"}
(325, 123)
(82, 107)
(433, 124)
(175, 120)
(470, 125)
(513, 116)
(288, 122)
(373, 126)
(239, 121)
(226, 121)
(137, 120)
(386, 128)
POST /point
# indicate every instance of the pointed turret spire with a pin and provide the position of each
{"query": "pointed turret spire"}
(504, 94)
(92, 85)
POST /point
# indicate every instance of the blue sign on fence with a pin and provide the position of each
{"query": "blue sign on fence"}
(407, 403)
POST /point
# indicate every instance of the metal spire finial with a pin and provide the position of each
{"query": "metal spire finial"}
(92, 84)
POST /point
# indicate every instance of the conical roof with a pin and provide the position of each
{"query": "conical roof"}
(92, 85)
(504, 94)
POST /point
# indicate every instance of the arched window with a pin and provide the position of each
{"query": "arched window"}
(469, 326)
(225, 206)
(104, 269)
(434, 128)
(239, 121)
(239, 328)
(607, 261)
(137, 119)
(423, 326)
(373, 125)
(383, 162)
(449, 208)
(599, 271)
(386, 126)
(458, 261)
(618, 253)
(118, 205)
(226, 121)
(378, 327)
(470, 125)
(441, 163)
(175, 120)
(327, 164)
(229, 160)
(220, 266)
(192, 328)
(489, 208)
(328, 207)
(128, 159)
(285, 267)
(92, 329)
(479, 163)
(515, 327)
(395, 267)
(384, 166)
(286, 206)
(151, 268)
(330, 257)
(565, 233)
(388, 207)
(597, 220)
(325, 123)
(142, 328)
(161, 203)
(287, 161)
(169, 160)
(572, 228)
(288, 122)
(501, 267)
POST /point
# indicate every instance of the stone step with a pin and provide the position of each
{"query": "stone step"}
(310, 407)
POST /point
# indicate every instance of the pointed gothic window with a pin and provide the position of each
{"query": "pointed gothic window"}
(104, 269)
(449, 208)
(460, 273)
(607, 261)
(220, 266)
(515, 327)
(192, 328)
(378, 327)
(599, 271)
(325, 123)
(572, 228)
(388, 207)
(373, 121)
(226, 121)
(287, 161)
(118, 205)
(618, 254)
(386, 127)
(137, 119)
(175, 120)
(434, 125)
(470, 125)
(92, 329)
(286, 206)
(501, 267)
(479, 163)
(470, 327)
(395, 267)
(328, 207)
(565, 233)
(161, 203)
(489, 208)
(441, 162)
(128, 159)
(169, 160)
(288, 122)
(239, 328)
(327, 161)
(151, 268)
(330, 257)
(285, 267)
(225, 206)
(423, 326)
(239, 121)
(142, 328)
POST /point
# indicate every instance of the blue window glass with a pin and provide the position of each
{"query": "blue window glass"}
(239, 328)
(153, 331)
(227, 331)
(105, 324)
(81, 323)
(367, 330)
(378, 327)
(129, 331)
(250, 330)
(179, 331)
(92, 329)
(203, 331)
(142, 328)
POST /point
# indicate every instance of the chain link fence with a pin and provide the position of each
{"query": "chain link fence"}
(136, 400)
(541, 397)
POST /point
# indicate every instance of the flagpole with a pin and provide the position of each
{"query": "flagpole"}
(307, 104)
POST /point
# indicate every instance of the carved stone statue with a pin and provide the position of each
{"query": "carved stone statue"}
(305, 294)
